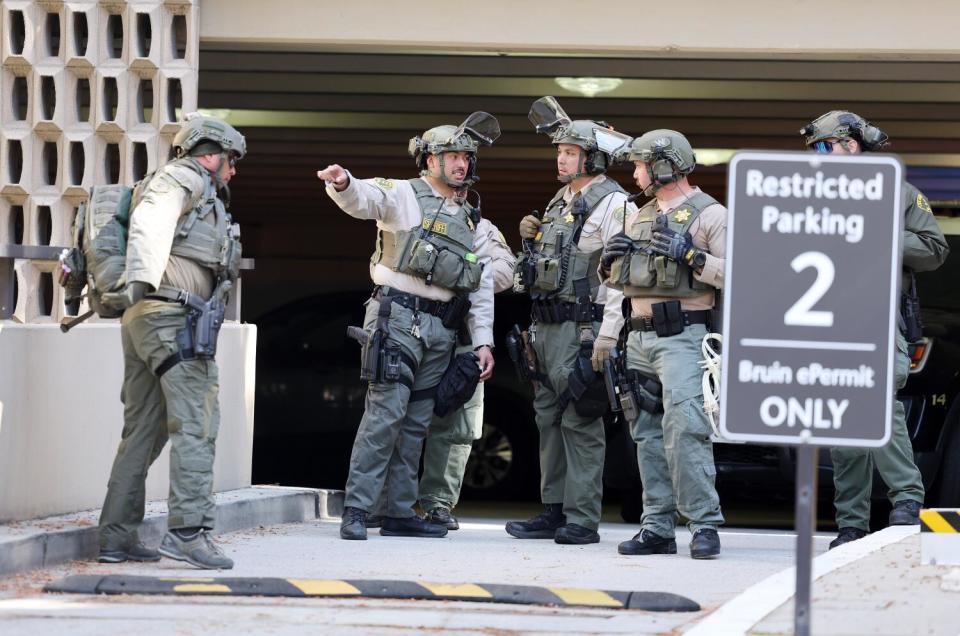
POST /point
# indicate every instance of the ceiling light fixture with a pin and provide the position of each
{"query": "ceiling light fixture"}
(589, 86)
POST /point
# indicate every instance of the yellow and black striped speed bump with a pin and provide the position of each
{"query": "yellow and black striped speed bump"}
(946, 521)
(482, 592)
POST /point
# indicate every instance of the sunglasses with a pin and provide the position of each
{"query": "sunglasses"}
(823, 147)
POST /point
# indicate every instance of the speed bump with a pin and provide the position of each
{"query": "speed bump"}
(337, 588)
(940, 536)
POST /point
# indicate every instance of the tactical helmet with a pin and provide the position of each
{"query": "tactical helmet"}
(199, 128)
(478, 128)
(843, 124)
(548, 117)
(668, 156)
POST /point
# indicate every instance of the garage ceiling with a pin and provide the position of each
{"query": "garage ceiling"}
(303, 110)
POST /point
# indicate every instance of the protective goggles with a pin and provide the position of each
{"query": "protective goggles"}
(823, 146)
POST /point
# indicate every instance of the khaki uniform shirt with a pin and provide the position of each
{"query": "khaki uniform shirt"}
(393, 204)
(604, 222)
(502, 258)
(709, 232)
(153, 222)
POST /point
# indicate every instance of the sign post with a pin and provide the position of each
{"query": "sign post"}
(810, 312)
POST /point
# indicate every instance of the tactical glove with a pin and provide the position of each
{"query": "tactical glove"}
(529, 226)
(672, 244)
(615, 248)
(126, 297)
(602, 347)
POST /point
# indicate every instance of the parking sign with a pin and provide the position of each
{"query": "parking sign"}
(811, 298)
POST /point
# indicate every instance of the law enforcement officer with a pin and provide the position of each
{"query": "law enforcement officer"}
(575, 324)
(669, 265)
(924, 249)
(428, 276)
(450, 438)
(182, 250)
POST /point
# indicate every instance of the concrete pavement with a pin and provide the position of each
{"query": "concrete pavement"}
(876, 587)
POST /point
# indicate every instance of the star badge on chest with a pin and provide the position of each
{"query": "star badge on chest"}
(682, 216)
(568, 219)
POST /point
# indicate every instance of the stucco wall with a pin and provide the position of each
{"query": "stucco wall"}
(61, 417)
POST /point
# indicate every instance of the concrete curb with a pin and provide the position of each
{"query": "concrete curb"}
(750, 607)
(41, 543)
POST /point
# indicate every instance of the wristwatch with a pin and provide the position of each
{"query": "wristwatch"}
(696, 258)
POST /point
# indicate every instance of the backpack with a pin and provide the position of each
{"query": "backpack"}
(97, 258)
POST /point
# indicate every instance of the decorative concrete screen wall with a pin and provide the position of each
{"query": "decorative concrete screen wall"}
(91, 93)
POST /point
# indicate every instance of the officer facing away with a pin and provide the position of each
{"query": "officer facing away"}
(669, 264)
(924, 249)
(429, 277)
(450, 438)
(575, 323)
(182, 250)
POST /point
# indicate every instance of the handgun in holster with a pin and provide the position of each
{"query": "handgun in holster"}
(620, 391)
(379, 358)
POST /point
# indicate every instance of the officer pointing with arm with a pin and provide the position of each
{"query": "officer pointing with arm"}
(669, 265)
(924, 249)
(429, 276)
(575, 324)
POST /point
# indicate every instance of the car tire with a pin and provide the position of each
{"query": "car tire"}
(504, 462)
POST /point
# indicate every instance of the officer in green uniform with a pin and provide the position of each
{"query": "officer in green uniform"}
(429, 277)
(924, 249)
(182, 251)
(450, 438)
(669, 265)
(575, 323)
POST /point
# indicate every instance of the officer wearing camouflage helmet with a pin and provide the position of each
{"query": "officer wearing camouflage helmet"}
(450, 438)
(924, 248)
(575, 323)
(669, 264)
(183, 256)
(429, 278)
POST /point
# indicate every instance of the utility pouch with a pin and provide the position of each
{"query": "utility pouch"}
(457, 309)
(422, 258)
(587, 390)
(667, 318)
(547, 273)
(650, 398)
(910, 310)
(525, 273)
(458, 384)
(667, 272)
(390, 362)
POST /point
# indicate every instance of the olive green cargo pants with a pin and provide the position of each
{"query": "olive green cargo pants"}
(853, 467)
(181, 406)
(386, 451)
(674, 450)
(448, 446)
(571, 453)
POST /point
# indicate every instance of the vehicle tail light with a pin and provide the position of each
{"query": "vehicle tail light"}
(919, 352)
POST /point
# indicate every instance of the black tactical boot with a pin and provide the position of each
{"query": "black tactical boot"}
(574, 534)
(905, 513)
(646, 542)
(543, 526)
(847, 535)
(374, 521)
(705, 544)
(442, 517)
(353, 524)
(411, 527)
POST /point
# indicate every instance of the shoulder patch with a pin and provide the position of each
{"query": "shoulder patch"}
(620, 214)
(500, 238)
(384, 184)
(923, 204)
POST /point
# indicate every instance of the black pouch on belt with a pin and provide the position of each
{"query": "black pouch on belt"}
(458, 384)
(456, 312)
(667, 318)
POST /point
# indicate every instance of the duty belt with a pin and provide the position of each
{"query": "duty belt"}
(436, 308)
(645, 323)
(548, 311)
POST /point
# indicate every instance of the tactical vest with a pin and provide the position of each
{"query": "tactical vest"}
(215, 246)
(642, 273)
(556, 261)
(439, 250)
